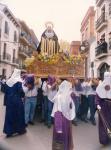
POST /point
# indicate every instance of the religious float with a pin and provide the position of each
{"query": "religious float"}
(53, 58)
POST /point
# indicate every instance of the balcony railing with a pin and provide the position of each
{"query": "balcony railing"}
(6, 57)
(15, 61)
(0, 33)
(99, 2)
(101, 50)
(23, 51)
(101, 22)
(109, 43)
(25, 38)
(110, 8)
(22, 66)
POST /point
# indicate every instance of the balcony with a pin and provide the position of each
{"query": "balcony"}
(101, 50)
(101, 23)
(110, 9)
(24, 39)
(15, 61)
(109, 43)
(6, 58)
(22, 66)
(99, 2)
(23, 51)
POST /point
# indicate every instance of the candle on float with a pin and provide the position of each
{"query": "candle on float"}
(58, 47)
(66, 46)
(69, 47)
(50, 46)
(54, 47)
(45, 51)
(42, 45)
(47, 46)
(61, 46)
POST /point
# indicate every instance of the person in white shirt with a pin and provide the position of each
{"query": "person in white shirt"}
(45, 102)
(91, 99)
(77, 89)
(84, 102)
(31, 91)
(51, 89)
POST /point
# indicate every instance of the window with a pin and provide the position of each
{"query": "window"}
(86, 32)
(14, 56)
(110, 40)
(4, 51)
(15, 36)
(3, 72)
(103, 10)
(6, 28)
(103, 36)
(0, 33)
(110, 8)
(83, 37)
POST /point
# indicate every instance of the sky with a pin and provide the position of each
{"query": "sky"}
(66, 15)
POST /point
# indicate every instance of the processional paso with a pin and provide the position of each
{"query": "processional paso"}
(54, 58)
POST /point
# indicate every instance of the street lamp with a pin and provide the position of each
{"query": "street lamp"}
(82, 48)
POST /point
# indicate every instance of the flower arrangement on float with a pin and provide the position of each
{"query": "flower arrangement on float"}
(29, 61)
(53, 59)
(71, 59)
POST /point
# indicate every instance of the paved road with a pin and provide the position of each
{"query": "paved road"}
(39, 137)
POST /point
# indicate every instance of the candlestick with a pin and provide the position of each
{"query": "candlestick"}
(42, 45)
(58, 48)
(45, 46)
(54, 47)
(50, 47)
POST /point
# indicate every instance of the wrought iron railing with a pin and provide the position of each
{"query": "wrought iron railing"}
(110, 8)
(102, 19)
(109, 43)
(23, 50)
(6, 56)
(101, 49)
(22, 66)
(99, 1)
(15, 60)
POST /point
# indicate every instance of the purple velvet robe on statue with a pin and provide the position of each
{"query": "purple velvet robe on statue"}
(64, 125)
(106, 111)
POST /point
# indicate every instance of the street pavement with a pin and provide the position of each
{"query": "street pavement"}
(38, 137)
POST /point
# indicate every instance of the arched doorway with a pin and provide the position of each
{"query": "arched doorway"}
(103, 68)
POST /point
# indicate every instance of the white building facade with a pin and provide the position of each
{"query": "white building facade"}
(9, 41)
(102, 61)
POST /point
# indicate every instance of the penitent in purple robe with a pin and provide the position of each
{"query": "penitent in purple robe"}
(14, 117)
(64, 125)
(106, 112)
